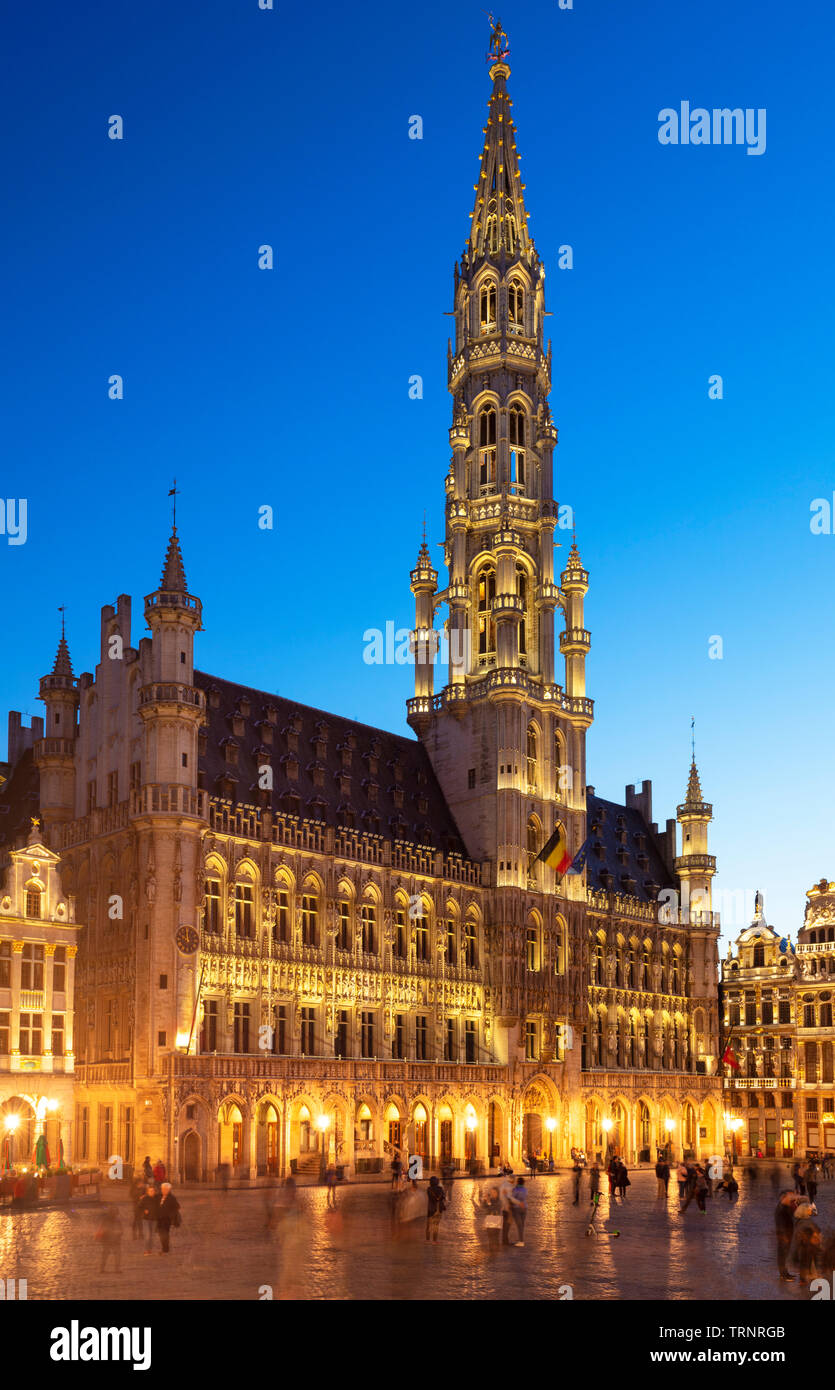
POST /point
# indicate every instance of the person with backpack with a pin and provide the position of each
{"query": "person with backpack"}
(435, 1207)
(662, 1173)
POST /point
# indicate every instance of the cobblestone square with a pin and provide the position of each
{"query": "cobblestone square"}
(644, 1249)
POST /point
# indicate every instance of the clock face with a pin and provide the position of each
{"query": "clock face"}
(187, 939)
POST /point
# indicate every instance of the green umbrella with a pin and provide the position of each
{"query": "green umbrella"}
(41, 1152)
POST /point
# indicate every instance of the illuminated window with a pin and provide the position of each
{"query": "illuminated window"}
(470, 944)
(310, 919)
(515, 308)
(485, 593)
(487, 451)
(343, 927)
(244, 910)
(33, 902)
(532, 756)
(422, 937)
(522, 591)
(369, 928)
(487, 301)
(516, 439)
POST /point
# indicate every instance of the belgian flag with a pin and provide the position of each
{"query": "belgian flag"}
(555, 854)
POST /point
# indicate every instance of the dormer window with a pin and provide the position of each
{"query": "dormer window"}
(230, 751)
(34, 898)
(238, 724)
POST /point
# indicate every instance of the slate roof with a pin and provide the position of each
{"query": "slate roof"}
(346, 773)
(19, 801)
(624, 856)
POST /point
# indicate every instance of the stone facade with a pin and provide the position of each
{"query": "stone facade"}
(777, 1005)
(308, 937)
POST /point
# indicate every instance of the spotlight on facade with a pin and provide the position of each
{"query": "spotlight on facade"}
(323, 1122)
(472, 1122)
(12, 1122)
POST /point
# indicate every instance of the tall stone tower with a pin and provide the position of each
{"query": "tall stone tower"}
(695, 868)
(55, 752)
(507, 742)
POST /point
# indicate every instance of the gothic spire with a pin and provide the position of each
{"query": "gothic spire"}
(173, 573)
(63, 663)
(694, 791)
(499, 218)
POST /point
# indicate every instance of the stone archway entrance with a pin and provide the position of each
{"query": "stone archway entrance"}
(192, 1157)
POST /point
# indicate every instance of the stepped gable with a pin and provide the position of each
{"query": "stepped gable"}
(624, 856)
(348, 774)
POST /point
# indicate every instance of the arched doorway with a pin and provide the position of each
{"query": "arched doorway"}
(534, 1110)
(192, 1157)
(594, 1131)
(644, 1133)
(470, 1134)
(307, 1137)
(231, 1133)
(17, 1132)
(393, 1126)
(445, 1142)
(495, 1132)
(421, 1130)
(708, 1145)
(619, 1133)
(688, 1130)
(267, 1139)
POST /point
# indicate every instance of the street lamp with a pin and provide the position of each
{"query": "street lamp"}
(669, 1125)
(550, 1125)
(606, 1126)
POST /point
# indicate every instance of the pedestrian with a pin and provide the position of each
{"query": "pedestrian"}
(148, 1213)
(681, 1178)
(396, 1169)
(532, 1163)
(519, 1203)
(662, 1173)
(505, 1190)
(109, 1235)
(825, 1166)
(623, 1180)
(594, 1180)
(435, 1207)
(490, 1206)
(612, 1174)
(807, 1241)
(147, 1169)
(168, 1215)
(700, 1188)
(799, 1176)
(223, 1173)
(138, 1194)
(159, 1172)
(812, 1182)
(330, 1184)
(578, 1180)
(784, 1227)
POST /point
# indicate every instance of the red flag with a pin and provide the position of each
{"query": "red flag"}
(729, 1060)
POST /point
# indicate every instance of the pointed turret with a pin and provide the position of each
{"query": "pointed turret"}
(55, 752)
(500, 221)
(695, 867)
(424, 586)
(174, 571)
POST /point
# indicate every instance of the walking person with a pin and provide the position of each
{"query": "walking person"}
(168, 1215)
(533, 1163)
(578, 1180)
(159, 1172)
(812, 1181)
(396, 1170)
(435, 1207)
(148, 1213)
(784, 1227)
(681, 1178)
(623, 1179)
(519, 1202)
(662, 1173)
(109, 1235)
(147, 1169)
(488, 1205)
(330, 1183)
(505, 1190)
(136, 1200)
(612, 1175)
(594, 1181)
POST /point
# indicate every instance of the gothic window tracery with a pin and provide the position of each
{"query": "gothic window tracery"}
(487, 451)
(485, 593)
(515, 308)
(517, 439)
(487, 307)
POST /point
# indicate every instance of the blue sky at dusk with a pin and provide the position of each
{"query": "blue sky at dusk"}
(290, 387)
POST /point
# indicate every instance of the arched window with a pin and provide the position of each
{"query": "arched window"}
(517, 440)
(400, 937)
(212, 916)
(33, 902)
(515, 308)
(485, 593)
(310, 916)
(532, 756)
(368, 923)
(533, 961)
(598, 963)
(487, 302)
(492, 234)
(522, 591)
(487, 451)
(244, 910)
(510, 233)
(532, 843)
(422, 935)
(471, 943)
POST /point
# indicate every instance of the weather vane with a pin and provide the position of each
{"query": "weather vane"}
(499, 44)
(173, 492)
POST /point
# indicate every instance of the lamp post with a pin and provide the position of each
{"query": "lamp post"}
(550, 1125)
(472, 1125)
(323, 1124)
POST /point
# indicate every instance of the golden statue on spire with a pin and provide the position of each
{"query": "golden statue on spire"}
(499, 43)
